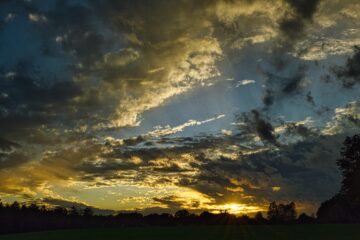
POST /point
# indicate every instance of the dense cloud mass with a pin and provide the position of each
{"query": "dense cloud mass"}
(350, 73)
(163, 105)
(298, 16)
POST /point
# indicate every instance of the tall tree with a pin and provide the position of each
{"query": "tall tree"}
(273, 211)
(349, 164)
(282, 212)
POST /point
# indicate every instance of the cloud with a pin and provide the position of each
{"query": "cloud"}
(10, 160)
(299, 129)
(314, 48)
(171, 202)
(9, 17)
(304, 9)
(310, 99)
(184, 59)
(187, 199)
(7, 145)
(345, 120)
(121, 58)
(167, 130)
(244, 82)
(301, 12)
(279, 87)
(350, 72)
(54, 202)
(226, 132)
(31, 104)
(258, 173)
(197, 164)
(294, 83)
(253, 123)
(268, 98)
(37, 18)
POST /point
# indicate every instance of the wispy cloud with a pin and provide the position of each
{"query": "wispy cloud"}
(168, 130)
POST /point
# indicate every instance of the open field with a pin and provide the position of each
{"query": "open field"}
(291, 232)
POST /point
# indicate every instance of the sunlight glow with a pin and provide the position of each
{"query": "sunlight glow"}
(238, 208)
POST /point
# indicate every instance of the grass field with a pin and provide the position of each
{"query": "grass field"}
(293, 232)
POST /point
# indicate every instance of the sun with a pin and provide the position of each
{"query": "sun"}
(239, 208)
(234, 208)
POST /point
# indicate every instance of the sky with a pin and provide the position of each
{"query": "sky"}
(156, 106)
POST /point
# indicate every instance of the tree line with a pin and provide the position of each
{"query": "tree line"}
(344, 207)
(17, 217)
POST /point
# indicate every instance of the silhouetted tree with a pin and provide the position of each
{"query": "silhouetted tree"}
(130, 219)
(273, 212)
(73, 211)
(349, 164)
(338, 209)
(344, 207)
(289, 212)
(87, 212)
(15, 206)
(207, 218)
(182, 213)
(164, 219)
(282, 213)
(259, 218)
(244, 219)
(33, 208)
(305, 219)
(60, 211)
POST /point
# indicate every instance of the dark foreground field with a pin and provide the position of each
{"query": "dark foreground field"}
(291, 232)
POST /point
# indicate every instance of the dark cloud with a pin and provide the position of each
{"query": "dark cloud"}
(101, 169)
(80, 206)
(14, 159)
(72, 41)
(349, 74)
(305, 171)
(171, 202)
(304, 8)
(249, 177)
(301, 12)
(31, 103)
(292, 28)
(349, 117)
(74, 28)
(254, 123)
(293, 84)
(134, 141)
(268, 99)
(310, 99)
(300, 129)
(7, 145)
(281, 86)
(354, 120)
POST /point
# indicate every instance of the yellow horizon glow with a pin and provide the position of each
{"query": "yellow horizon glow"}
(238, 208)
